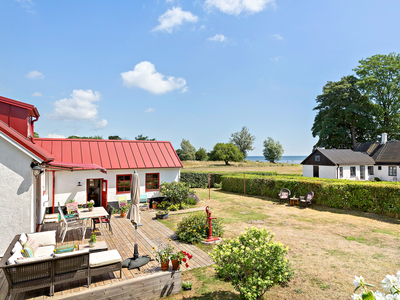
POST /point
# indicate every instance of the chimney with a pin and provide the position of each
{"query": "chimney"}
(384, 138)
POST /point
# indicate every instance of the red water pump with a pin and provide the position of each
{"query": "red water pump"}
(209, 218)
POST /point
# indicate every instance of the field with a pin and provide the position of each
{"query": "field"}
(327, 247)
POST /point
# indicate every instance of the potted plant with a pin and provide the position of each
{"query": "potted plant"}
(123, 209)
(163, 255)
(93, 240)
(154, 204)
(162, 214)
(90, 205)
(187, 285)
(180, 257)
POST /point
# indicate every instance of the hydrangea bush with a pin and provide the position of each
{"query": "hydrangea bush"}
(176, 192)
(390, 284)
(252, 262)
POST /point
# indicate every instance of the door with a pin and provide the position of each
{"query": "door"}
(362, 172)
(316, 171)
(104, 187)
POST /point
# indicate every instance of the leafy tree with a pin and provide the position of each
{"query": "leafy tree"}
(114, 137)
(201, 154)
(35, 134)
(95, 137)
(272, 150)
(187, 151)
(226, 152)
(379, 79)
(243, 140)
(141, 137)
(344, 115)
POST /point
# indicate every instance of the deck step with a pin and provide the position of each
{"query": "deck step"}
(51, 218)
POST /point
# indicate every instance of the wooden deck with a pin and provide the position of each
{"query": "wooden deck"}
(151, 234)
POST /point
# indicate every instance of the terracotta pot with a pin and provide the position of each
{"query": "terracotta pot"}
(155, 206)
(175, 264)
(123, 215)
(164, 265)
(91, 208)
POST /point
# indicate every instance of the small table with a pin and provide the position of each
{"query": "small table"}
(294, 201)
(100, 246)
(97, 212)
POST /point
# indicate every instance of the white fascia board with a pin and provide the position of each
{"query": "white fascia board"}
(15, 144)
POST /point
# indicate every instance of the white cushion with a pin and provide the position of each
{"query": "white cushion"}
(31, 259)
(45, 238)
(73, 253)
(104, 258)
(14, 257)
(44, 251)
(23, 238)
(17, 247)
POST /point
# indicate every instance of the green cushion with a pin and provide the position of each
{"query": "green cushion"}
(65, 248)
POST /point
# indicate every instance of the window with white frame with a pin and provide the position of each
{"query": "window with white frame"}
(317, 158)
(341, 172)
(352, 171)
(370, 170)
(379, 168)
(392, 171)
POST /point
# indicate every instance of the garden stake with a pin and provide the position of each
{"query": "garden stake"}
(209, 218)
(209, 187)
(244, 183)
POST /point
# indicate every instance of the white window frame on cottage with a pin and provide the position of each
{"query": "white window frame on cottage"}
(317, 158)
(341, 172)
(392, 170)
(355, 171)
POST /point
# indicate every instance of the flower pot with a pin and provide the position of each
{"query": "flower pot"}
(92, 244)
(91, 208)
(162, 216)
(185, 288)
(164, 265)
(175, 264)
(123, 215)
(154, 205)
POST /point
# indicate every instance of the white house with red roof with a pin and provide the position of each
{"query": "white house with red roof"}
(72, 169)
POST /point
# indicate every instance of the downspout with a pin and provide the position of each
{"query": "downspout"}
(32, 127)
(337, 172)
(54, 188)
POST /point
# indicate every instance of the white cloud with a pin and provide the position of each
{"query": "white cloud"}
(202, 27)
(218, 38)
(276, 58)
(27, 4)
(80, 106)
(277, 36)
(145, 76)
(150, 110)
(34, 75)
(169, 1)
(55, 136)
(173, 18)
(236, 7)
(37, 94)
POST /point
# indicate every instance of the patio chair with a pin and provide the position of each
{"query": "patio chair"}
(106, 220)
(284, 195)
(307, 201)
(69, 224)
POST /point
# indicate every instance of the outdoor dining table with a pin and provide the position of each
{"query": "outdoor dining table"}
(97, 212)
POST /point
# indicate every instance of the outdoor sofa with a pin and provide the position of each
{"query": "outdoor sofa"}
(46, 269)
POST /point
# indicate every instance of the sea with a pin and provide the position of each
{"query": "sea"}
(297, 159)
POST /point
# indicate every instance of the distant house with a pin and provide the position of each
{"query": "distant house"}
(70, 169)
(365, 162)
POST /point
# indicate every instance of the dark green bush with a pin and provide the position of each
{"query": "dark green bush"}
(191, 229)
(163, 205)
(377, 197)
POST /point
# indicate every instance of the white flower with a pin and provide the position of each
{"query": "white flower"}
(356, 297)
(358, 281)
(389, 283)
(379, 296)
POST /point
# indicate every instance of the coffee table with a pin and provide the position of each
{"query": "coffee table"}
(294, 201)
(100, 246)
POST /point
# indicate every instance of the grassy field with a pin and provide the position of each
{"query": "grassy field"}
(327, 247)
(219, 166)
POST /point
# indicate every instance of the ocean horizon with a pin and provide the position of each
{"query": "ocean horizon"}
(294, 159)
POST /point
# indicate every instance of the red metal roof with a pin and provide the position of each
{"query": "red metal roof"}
(25, 142)
(113, 154)
(76, 166)
(32, 109)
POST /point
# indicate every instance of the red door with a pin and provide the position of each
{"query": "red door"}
(104, 187)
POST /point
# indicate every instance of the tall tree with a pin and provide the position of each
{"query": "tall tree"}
(225, 152)
(344, 116)
(114, 137)
(380, 81)
(141, 137)
(95, 137)
(201, 154)
(272, 150)
(243, 140)
(187, 151)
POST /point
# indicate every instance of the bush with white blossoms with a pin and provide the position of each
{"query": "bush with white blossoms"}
(390, 284)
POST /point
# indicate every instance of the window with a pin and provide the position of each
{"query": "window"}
(317, 158)
(341, 172)
(392, 171)
(370, 170)
(362, 172)
(152, 182)
(352, 171)
(123, 184)
(379, 168)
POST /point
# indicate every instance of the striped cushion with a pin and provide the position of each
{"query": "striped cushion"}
(28, 251)
(31, 242)
(65, 248)
(309, 197)
(284, 195)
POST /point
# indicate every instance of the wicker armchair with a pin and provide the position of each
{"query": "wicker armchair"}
(284, 195)
(307, 201)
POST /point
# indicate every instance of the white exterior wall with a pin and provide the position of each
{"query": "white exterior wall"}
(308, 171)
(384, 173)
(332, 172)
(327, 172)
(67, 188)
(17, 201)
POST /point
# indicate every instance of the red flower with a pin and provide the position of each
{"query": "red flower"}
(184, 259)
(187, 265)
(190, 257)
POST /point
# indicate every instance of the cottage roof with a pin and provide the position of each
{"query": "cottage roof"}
(112, 154)
(30, 108)
(344, 157)
(388, 153)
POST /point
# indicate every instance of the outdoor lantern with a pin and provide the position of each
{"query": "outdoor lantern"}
(79, 183)
(36, 170)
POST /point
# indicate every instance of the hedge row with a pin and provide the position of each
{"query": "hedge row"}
(200, 179)
(368, 196)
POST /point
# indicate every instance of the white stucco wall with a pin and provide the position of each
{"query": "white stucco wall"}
(67, 188)
(383, 174)
(17, 199)
(307, 171)
(332, 172)
(327, 172)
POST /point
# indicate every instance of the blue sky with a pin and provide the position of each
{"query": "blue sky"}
(198, 70)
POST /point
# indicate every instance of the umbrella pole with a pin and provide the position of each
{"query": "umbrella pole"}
(136, 251)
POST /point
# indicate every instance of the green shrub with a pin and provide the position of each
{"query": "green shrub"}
(252, 262)
(191, 201)
(163, 205)
(192, 230)
(176, 192)
(173, 207)
(217, 185)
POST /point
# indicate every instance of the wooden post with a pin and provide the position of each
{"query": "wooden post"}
(244, 183)
(209, 187)
(54, 189)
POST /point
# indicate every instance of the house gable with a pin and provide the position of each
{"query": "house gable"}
(312, 159)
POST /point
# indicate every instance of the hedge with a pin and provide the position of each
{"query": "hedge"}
(376, 197)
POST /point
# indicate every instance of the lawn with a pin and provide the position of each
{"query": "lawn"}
(327, 247)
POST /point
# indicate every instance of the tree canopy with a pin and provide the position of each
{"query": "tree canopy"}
(201, 154)
(243, 140)
(379, 79)
(272, 150)
(187, 151)
(95, 137)
(225, 152)
(114, 137)
(141, 137)
(344, 115)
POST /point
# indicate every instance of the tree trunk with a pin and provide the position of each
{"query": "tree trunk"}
(353, 136)
(226, 162)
